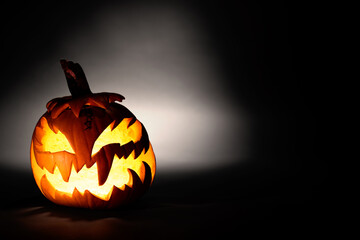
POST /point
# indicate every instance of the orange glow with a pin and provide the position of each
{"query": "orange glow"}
(86, 179)
(53, 142)
(99, 159)
(121, 134)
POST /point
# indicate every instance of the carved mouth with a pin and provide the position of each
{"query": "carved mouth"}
(121, 174)
(87, 199)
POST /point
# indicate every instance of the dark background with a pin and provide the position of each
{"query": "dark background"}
(283, 184)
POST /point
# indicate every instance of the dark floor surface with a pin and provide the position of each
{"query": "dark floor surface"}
(215, 203)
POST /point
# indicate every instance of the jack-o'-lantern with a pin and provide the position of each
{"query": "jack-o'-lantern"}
(88, 150)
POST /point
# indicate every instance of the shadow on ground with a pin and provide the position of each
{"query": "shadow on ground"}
(199, 204)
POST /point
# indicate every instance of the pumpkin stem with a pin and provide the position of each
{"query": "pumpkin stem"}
(75, 78)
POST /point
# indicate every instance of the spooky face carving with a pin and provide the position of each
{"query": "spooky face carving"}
(91, 152)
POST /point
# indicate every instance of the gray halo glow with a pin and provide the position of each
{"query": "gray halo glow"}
(160, 59)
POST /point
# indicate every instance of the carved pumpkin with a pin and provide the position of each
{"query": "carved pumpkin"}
(88, 150)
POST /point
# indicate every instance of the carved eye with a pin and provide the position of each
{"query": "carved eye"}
(54, 142)
(121, 134)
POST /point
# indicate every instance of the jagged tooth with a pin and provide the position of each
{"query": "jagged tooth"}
(120, 152)
(90, 160)
(135, 182)
(134, 179)
(104, 159)
(90, 163)
(103, 171)
(132, 121)
(46, 188)
(79, 198)
(94, 202)
(128, 148)
(144, 138)
(88, 199)
(94, 158)
(40, 159)
(138, 149)
(64, 162)
(76, 193)
(117, 149)
(131, 178)
(45, 159)
(78, 164)
(148, 175)
(119, 196)
(114, 124)
(49, 164)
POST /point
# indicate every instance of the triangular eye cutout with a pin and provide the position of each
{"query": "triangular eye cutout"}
(53, 142)
(122, 134)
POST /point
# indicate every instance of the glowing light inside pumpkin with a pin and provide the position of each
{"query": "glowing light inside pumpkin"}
(121, 134)
(53, 142)
(87, 178)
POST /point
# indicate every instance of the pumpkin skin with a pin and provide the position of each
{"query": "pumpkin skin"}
(90, 151)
